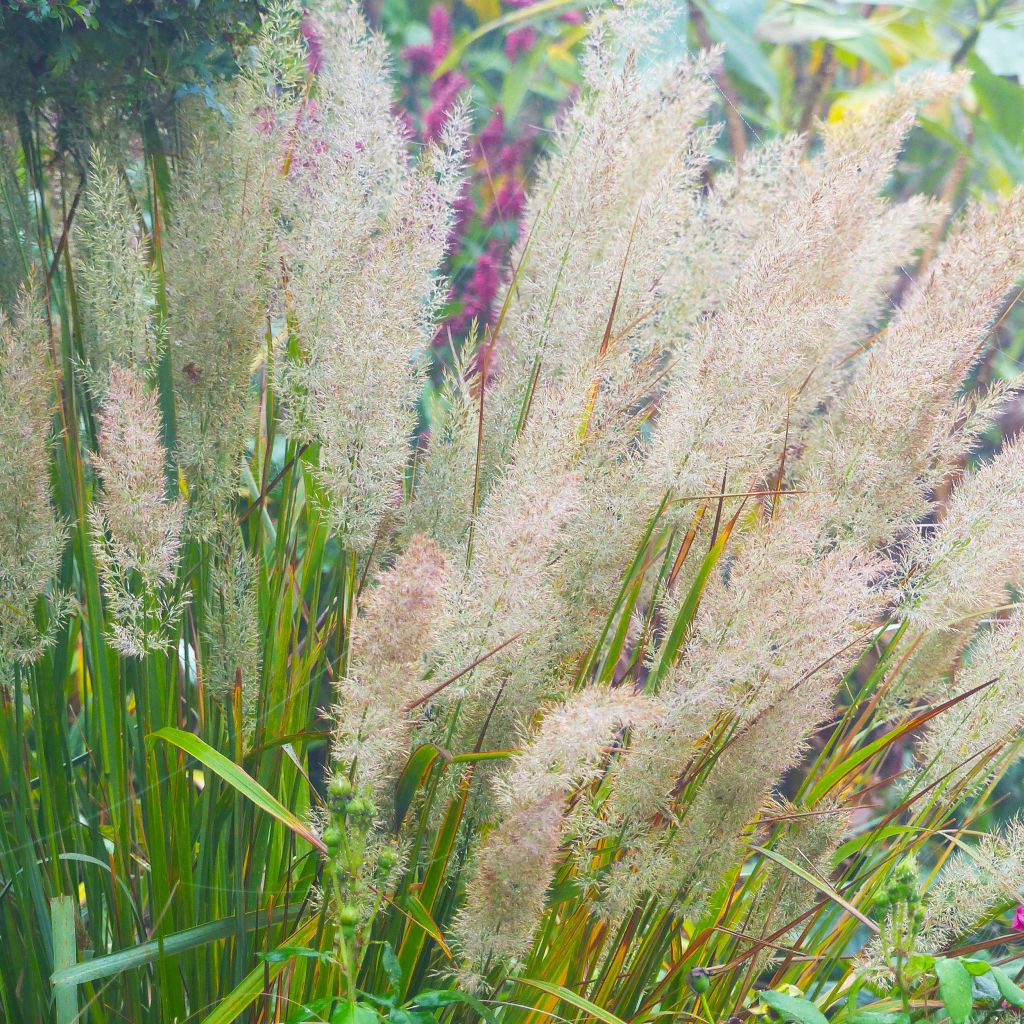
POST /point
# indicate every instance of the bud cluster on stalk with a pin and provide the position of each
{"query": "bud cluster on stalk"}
(357, 867)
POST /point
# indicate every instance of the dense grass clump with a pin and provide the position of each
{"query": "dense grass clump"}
(650, 680)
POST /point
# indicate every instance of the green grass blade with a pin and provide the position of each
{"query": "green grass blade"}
(238, 778)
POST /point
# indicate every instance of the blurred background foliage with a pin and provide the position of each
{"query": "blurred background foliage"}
(72, 68)
(89, 66)
(787, 62)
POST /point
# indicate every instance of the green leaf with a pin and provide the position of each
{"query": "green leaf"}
(65, 951)
(399, 1015)
(688, 609)
(433, 999)
(475, 756)
(146, 952)
(743, 54)
(285, 953)
(874, 1017)
(919, 963)
(955, 989)
(392, 968)
(794, 1008)
(1008, 989)
(592, 1009)
(347, 1012)
(421, 916)
(1000, 100)
(251, 986)
(1001, 46)
(976, 967)
(414, 774)
(238, 778)
(855, 845)
(817, 883)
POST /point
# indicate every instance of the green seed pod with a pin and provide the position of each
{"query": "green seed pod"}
(386, 859)
(699, 980)
(340, 787)
(348, 916)
(332, 839)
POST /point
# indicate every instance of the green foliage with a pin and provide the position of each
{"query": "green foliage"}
(100, 64)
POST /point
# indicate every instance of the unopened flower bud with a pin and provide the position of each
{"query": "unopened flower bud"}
(699, 980)
(340, 787)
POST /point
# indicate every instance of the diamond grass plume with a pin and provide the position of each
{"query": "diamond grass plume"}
(216, 255)
(684, 864)
(752, 370)
(774, 618)
(870, 239)
(231, 631)
(366, 232)
(600, 222)
(137, 528)
(503, 610)
(957, 746)
(961, 570)
(606, 205)
(808, 838)
(605, 208)
(397, 620)
(896, 430)
(32, 538)
(974, 555)
(974, 885)
(802, 252)
(115, 279)
(773, 638)
(514, 866)
(440, 505)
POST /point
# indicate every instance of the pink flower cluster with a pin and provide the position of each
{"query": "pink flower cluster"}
(493, 199)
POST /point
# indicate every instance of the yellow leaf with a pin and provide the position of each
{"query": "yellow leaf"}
(484, 10)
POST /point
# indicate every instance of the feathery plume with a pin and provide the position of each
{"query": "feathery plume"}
(366, 231)
(811, 278)
(231, 630)
(505, 897)
(600, 222)
(115, 278)
(136, 526)
(216, 256)
(963, 744)
(788, 609)
(775, 631)
(808, 838)
(973, 556)
(973, 886)
(683, 864)
(31, 537)
(960, 570)
(507, 595)
(396, 623)
(897, 428)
